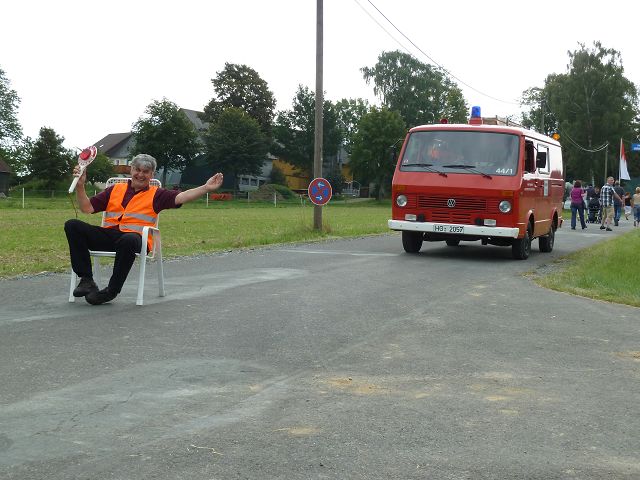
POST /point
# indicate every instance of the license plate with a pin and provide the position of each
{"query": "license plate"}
(448, 228)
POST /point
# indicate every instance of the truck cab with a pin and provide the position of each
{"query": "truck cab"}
(497, 184)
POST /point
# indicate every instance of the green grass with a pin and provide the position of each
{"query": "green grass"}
(32, 240)
(606, 271)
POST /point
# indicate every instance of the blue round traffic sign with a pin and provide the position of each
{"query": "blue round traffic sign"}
(319, 191)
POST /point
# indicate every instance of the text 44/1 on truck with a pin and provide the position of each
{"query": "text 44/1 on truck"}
(498, 184)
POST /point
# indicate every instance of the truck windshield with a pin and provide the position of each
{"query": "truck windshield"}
(481, 153)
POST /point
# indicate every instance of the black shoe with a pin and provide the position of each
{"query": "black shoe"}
(616, 222)
(86, 286)
(584, 227)
(98, 297)
(601, 227)
(609, 230)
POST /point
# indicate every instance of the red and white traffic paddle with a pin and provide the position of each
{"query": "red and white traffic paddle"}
(85, 158)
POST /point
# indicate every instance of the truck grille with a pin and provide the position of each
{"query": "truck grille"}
(462, 203)
(465, 211)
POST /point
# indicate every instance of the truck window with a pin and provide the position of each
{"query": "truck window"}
(491, 153)
(529, 157)
(545, 149)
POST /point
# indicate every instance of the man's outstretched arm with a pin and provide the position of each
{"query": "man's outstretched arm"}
(211, 185)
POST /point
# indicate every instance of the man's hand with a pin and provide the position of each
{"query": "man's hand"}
(214, 183)
(83, 177)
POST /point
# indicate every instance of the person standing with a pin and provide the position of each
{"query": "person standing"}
(607, 197)
(577, 204)
(618, 203)
(627, 205)
(635, 203)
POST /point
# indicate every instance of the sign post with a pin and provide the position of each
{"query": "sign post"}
(317, 150)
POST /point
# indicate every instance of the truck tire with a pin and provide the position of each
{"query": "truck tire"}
(411, 241)
(546, 243)
(521, 247)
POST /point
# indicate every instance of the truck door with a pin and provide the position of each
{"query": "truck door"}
(544, 202)
(530, 192)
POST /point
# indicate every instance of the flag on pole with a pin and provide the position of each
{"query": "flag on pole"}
(624, 173)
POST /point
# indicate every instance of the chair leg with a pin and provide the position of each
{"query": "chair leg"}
(160, 268)
(72, 286)
(143, 267)
(160, 278)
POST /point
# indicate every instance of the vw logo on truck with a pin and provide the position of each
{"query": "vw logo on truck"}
(483, 181)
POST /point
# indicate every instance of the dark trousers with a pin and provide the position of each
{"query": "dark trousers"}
(579, 208)
(83, 237)
(617, 212)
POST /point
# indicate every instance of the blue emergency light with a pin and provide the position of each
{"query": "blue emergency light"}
(475, 112)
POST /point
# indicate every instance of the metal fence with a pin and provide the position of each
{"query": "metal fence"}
(43, 199)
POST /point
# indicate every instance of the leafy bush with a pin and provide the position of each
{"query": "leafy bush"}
(283, 190)
(277, 176)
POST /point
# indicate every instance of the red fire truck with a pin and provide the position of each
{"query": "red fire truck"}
(497, 184)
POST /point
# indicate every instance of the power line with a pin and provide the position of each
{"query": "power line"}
(436, 63)
(577, 145)
(382, 27)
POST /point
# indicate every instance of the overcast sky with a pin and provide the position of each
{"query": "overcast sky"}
(87, 69)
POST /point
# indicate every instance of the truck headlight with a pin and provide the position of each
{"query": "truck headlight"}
(401, 200)
(505, 206)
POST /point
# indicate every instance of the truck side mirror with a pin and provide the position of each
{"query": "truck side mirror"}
(541, 160)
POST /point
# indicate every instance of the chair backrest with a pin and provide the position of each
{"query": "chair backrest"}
(113, 180)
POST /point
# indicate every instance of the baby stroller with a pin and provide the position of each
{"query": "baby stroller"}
(595, 212)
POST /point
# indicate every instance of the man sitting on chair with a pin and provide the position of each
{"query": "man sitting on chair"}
(129, 207)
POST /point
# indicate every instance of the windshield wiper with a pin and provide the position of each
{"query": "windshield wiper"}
(471, 168)
(426, 166)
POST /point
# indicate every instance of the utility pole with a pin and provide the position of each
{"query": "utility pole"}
(606, 157)
(317, 154)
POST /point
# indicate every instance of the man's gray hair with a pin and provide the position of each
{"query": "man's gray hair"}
(142, 160)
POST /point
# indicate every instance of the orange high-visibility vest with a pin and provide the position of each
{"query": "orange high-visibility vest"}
(139, 212)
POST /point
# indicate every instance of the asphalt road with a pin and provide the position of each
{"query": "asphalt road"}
(336, 360)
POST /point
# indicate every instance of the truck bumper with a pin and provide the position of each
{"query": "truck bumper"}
(450, 229)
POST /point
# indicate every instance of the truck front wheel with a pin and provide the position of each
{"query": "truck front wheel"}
(411, 241)
(521, 247)
(546, 243)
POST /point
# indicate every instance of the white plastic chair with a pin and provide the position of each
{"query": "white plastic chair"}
(155, 253)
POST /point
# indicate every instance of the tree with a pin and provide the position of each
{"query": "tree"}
(540, 117)
(294, 131)
(166, 134)
(349, 112)
(372, 158)
(101, 169)
(420, 92)
(240, 86)
(10, 129)
(235, 144)
(277, 176)
(591, 105)
(49, 161)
